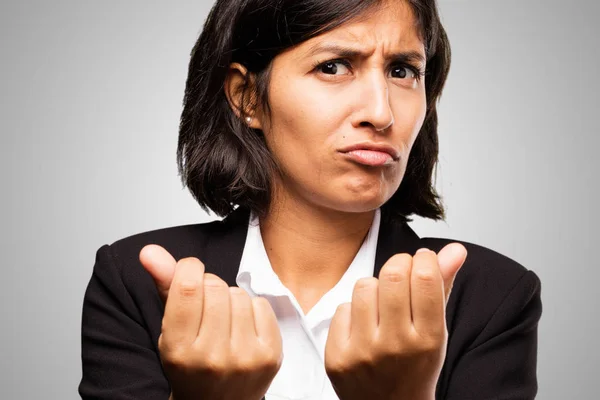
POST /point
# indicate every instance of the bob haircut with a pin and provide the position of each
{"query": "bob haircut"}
(226, 163)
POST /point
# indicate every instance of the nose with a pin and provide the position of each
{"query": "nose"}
(375, 107)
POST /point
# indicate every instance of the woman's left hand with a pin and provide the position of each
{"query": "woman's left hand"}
(389, 343)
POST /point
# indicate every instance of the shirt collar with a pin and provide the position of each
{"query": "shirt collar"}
(256, 275)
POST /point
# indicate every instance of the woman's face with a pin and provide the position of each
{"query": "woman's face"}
(355, 87)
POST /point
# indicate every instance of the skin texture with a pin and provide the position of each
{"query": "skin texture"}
(216, 342)
(390, 341)
(323, 203)
(317, 111)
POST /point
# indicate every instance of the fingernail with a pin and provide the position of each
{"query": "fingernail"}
(423, 249)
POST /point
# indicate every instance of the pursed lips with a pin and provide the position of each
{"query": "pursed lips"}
(371, 154)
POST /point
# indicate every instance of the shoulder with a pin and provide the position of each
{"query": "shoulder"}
(192, 240)
(181, 241)
(119, 274)
(122, 292)
(217, 244)
(488, 284)
(484, 265)
(118, 264)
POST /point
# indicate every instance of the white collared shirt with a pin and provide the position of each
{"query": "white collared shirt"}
(302, 374)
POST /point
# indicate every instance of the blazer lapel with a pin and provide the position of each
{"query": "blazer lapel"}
(394, 238)
(225, 244)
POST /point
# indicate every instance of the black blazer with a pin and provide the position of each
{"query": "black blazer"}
(492, 313)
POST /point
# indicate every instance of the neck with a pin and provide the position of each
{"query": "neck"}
(311, 248)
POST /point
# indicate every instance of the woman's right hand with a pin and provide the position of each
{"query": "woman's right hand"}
(216, 342)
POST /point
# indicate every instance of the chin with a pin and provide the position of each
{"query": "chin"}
(366, 197)
(356, 196)
(359, 204)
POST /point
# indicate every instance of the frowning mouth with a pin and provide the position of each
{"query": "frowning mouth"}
(372, 154)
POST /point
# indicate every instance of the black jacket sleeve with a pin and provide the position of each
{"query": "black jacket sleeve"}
(501, 363)
(119, 359)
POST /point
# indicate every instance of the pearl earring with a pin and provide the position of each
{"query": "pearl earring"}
(248, 119)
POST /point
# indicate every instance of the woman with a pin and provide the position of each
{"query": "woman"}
(311, 126)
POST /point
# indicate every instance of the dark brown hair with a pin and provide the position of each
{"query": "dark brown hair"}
(225, 163)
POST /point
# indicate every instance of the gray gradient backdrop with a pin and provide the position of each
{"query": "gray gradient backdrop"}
(90, 99)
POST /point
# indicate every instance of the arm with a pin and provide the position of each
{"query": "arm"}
(501, 363)
(119, 360)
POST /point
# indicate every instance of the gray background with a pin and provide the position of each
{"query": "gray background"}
(90, 99)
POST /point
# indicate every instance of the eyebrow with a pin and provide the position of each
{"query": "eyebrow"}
(349, 52)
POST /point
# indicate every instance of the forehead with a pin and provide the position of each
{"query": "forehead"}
(387, 27)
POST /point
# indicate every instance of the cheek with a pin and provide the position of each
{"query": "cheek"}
(305, 119)
(410, 113)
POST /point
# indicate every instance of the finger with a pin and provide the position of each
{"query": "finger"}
(215, 328)
(160, 264)
(338, 336)
(450, 259)
(242, 318)
(183, 310)
(364, 313)
(266, 326)
(394, 296)
(427, 295)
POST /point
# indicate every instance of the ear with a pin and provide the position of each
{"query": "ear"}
(243, 103)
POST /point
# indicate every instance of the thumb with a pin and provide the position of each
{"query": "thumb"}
(160, 264)
(450, 259)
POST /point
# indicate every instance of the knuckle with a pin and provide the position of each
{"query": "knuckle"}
(427, 343)
(394, 274)
(365, 283)
(431, 346)
(425, 275)
(186, 262)
(397, 268)
(431, 341)
(188, 288)
(238, 292)
(336, 366)
(364, 358)
(256, 360)
(272, 361)
(161, 344)
(242, 362)
(177, 358)
(259, 300)
(400, 259)
(269, 354)
(170, 348)
(213, 280)
(260, 303)
(389, 344)
(343, 308)
(216, 362)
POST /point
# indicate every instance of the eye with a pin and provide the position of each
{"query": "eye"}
(405, 71)
(334, 67)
